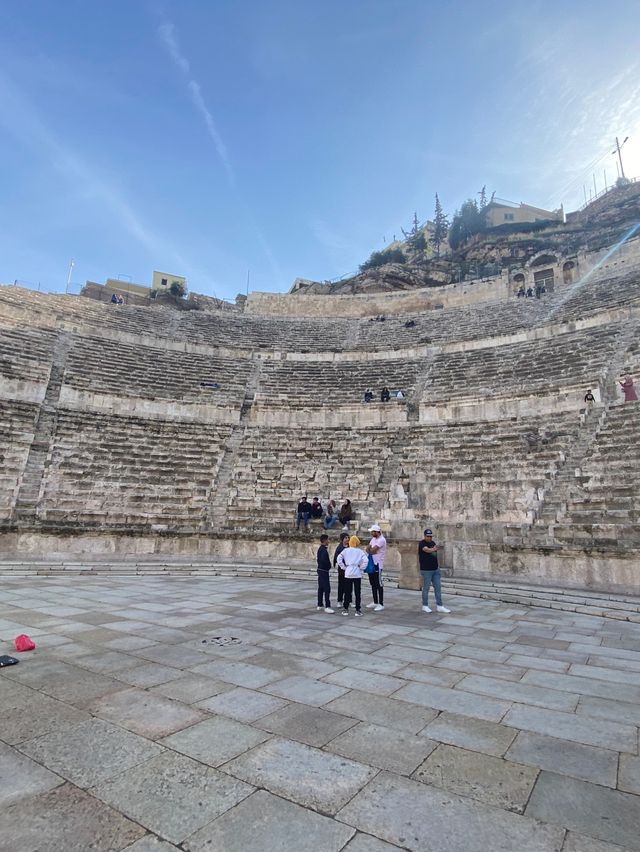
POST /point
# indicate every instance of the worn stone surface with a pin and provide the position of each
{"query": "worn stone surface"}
(588, 763)
(172, 795)
(587, 808)
(271, 824)
(480, 776)
(174, 759)
(387, 749)
(425, 819)
(302, 774)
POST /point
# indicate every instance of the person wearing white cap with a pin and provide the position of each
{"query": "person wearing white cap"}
(428, 559)
(377, 549)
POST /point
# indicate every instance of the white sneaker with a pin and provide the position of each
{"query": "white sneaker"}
(442, 609)
(319, 607)
(371, 605)
(378, 608)
(427, 609)
(358, 614)
(345, 612)
(329, 610)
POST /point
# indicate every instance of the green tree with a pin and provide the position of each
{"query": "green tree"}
(483, 198)
(415, 238)
(467, 221)
(380, 258)
(441, 226)
(177, 289)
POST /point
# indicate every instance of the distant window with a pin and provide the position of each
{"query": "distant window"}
(164, 282)
(508, 217)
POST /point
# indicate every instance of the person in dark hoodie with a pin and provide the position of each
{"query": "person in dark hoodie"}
(344, 542)
(324, 568)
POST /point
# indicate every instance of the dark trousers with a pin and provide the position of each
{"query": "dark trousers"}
(352, 584)
(340, 585)
(376, 588)
(324, 589)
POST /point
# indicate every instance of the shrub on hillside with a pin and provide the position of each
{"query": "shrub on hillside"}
(381, 258)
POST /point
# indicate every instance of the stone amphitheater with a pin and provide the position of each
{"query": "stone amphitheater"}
(116, 456)
(185, 695)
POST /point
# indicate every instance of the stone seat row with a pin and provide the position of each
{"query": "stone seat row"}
(17, 424)
(26, 354)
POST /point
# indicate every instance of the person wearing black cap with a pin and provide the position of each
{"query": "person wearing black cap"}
(428, 559)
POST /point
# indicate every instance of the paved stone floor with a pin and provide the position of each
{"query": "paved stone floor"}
(494, 728)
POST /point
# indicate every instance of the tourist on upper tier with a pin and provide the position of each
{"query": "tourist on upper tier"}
(378, 549)
(368, 395)
(428, 560)
(316, 508)
(529, 293)
(353, 561)
(521, 292)
(346, 513)
(628, 390)
(344, 542)
(324, 568)
(331, 516)
(303, 513)
(400, 394)
(589, 398)
(538, 291)
(385, 396)
(409, 323)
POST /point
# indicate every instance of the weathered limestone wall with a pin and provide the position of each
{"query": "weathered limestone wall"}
(359, 415)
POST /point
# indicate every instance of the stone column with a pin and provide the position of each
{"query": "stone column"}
(409, 576)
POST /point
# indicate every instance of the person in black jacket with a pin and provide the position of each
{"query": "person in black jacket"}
(344, 542)
(324, 567)
(303, 513)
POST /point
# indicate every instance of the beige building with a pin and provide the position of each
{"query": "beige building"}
(163, 281)
(506, 212)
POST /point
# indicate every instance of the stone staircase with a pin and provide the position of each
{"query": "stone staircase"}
(616, 606)
(31, 481)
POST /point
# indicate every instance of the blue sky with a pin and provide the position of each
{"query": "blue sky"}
(211, 137)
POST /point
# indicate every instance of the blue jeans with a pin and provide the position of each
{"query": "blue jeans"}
(328, 522)
(303, 516)
(429, 578)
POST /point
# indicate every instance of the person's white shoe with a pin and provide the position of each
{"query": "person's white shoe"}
(329, 610)
(442, 609)
(319, 607)
(345, 528)
(427, 609)
(378, 608)
(358, 613)
(345, 612)
(371, 605)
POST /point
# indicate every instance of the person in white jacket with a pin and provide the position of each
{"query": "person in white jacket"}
(353, 561)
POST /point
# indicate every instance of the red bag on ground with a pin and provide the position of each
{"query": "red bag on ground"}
(23, 643)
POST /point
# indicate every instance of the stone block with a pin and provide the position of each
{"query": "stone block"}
(144, 713)
(271, 823)
(453, 700)
(366, 681)
(563, 757)
(584, 686)
(569, 726)
(245, 705)
(150, 843)
(302, 774)
(192, 688)
(172, 795)
(69, 819)
(305, 690)
(468, 733)
(379, 710)
(396, 751)
(21, 777)
(575, 842)
(586, 808)
(238, 673)
(215, 741)
(420, 818)
(520, 692)
(488, 779)
(629, 774)
(310, 725)
(90, 751)
(28, 714)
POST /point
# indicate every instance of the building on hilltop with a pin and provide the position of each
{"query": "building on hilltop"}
(134, 293)
(501, 212)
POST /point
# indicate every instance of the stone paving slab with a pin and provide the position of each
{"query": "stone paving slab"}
(474, 734)
(366, 843)
(568, 726)
(305, 690)
(90, 752)
(387, 749)
(488, 779)
(271, 824)
(145, 713)
(382, 711)
(311, 725)
(523, 693)
(302, 774)
(629, 774)
(215, 741)
(424, 819)
(172, 795)
(575, 842)
(151, 843)
(245, 705)
(453, 700)
(28, 714)
(585, 762)
(191, 688)
(64, 819)
(586, 808)
(21, 777)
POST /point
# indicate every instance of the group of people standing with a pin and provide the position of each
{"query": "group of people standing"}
(351, 563)
(385, 394)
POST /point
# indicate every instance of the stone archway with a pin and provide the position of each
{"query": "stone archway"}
(518, 282)
(568, 271)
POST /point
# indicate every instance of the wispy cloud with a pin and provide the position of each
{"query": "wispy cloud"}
(167, 34)
(20, 118)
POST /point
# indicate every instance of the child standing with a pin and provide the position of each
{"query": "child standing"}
(324, 567)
